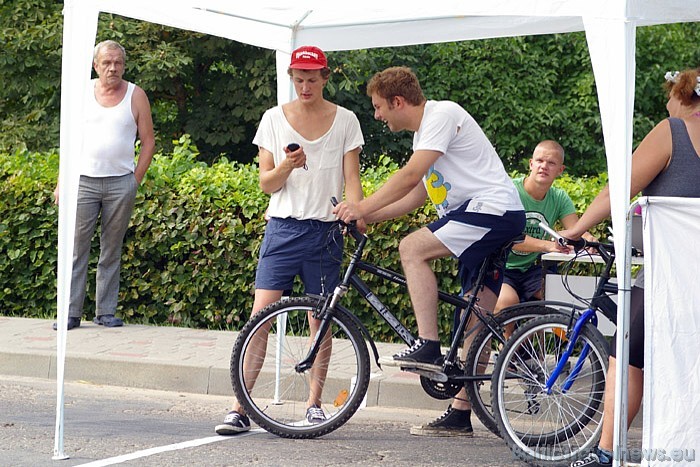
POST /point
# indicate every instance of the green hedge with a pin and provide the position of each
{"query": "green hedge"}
(28, 234)
(189, 258)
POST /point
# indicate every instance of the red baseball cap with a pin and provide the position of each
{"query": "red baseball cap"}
(308, 58)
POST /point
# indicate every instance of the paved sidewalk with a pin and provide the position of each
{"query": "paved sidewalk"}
(165, 358)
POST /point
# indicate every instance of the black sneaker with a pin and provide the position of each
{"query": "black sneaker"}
(234, 423)
(72, 323)
(315, 415)
(453, 422)
(591, 460)
(423, 354)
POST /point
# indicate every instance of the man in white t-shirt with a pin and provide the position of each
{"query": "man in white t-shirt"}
(454, 164)
(301, 237)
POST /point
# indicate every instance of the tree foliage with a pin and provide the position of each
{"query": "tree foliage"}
(520, 89)
(211, 88)
(30, 73)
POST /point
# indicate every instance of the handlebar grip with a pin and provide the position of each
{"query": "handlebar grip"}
(577, 244)
(352, 225)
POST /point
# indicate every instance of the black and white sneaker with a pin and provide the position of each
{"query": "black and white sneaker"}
(315, 415)
(453, 422)
(591, 460)
(423, 354)
(234, 423)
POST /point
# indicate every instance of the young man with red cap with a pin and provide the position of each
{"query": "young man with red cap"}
(301, 179)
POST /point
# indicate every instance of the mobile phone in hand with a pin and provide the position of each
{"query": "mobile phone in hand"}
(293, 147)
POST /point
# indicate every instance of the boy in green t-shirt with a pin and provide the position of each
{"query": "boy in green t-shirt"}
(543, 202)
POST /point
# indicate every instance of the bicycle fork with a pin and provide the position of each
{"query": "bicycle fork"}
(325, 318)
(588, 315)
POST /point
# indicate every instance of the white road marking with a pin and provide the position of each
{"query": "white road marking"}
(169, 447)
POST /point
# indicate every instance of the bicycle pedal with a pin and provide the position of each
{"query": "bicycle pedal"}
(438, 376)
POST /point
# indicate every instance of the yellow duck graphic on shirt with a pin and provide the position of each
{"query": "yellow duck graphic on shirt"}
(437, 188)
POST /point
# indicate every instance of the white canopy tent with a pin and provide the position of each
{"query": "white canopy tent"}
(279, 25)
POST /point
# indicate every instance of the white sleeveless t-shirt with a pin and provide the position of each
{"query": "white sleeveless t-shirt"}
(109, 135)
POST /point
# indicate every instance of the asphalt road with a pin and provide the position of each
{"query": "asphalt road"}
(107, 425)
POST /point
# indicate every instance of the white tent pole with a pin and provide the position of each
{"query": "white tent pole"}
(611, 44)
(620, 210)
(281, 336)
(285, 93)
(285, 88)
(79, 30)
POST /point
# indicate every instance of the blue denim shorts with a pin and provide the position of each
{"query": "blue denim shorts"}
(310, 249)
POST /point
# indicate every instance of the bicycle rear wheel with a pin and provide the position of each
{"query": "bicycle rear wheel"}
(270, 388)
(482, 355)
(548, 428)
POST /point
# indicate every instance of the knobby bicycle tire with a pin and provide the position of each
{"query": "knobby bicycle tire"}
(482, 355)
(550, 428)
(277, 402)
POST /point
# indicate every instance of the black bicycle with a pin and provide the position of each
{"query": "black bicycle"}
(277, 360)
(549, 380)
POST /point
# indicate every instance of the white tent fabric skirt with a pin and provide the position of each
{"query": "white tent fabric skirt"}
(672, 331)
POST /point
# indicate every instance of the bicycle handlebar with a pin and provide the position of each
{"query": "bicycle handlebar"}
(577, 244)
(605, 250)
(352, 226)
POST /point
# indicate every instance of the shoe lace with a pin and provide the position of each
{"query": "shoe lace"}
(443, 416)
(588, 460)
(234, 418)
(315, 413)
(416, 345)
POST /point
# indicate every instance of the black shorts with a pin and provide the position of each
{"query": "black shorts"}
(525, 283)
(636, 329)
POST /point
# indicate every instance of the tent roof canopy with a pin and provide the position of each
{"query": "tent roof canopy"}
(282, 26)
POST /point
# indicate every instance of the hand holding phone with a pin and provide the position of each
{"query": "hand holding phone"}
(293, 147)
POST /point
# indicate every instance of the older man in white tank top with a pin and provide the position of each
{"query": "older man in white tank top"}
(115, 112)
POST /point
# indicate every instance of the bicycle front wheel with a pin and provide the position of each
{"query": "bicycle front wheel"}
(275, 392)
(549, 427)
(482, 355)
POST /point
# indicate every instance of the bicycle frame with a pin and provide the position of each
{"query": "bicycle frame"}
(351, 278)
(600, 301)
